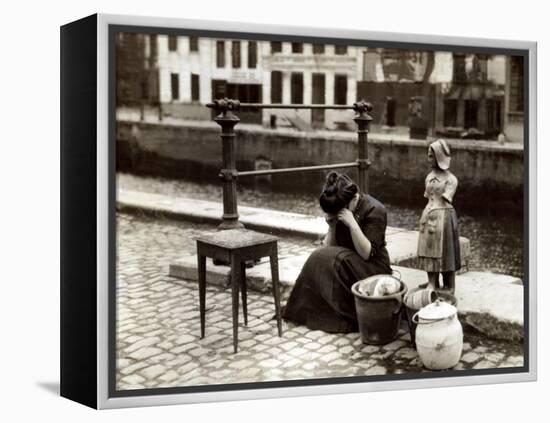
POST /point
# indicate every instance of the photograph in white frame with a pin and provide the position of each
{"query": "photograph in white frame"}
(166, 90)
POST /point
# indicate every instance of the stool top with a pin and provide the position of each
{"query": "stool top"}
(237, 238)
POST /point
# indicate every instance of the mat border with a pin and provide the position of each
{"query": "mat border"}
(107, 396)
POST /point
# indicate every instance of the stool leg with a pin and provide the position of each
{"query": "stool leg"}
(235, 282)
(273, 260)
(202, 291)
(243, 292)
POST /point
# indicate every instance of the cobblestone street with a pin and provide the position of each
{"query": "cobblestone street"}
(158, 325)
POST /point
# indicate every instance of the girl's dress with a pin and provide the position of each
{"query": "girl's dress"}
(322, 298)
(438, 242)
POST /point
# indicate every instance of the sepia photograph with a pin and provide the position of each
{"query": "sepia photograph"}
(293, 210)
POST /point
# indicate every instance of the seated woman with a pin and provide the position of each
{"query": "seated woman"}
(354, 249)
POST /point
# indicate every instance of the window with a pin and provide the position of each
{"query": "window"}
(252, 54)
(172, 43)
(449, 112)
(338, 49)
(153, 44)
(470, 114)
(318, 48)
(318, 97)
(340, 89)
(297, 88)
(494, 122)
(276, 87)
(193, 43)
(516, 84)
(297, 47)
(175, 86)
(144, 90)
(220, 54)
(276, 47)
(236, 54)
(391, 108)
(195, 93)
(219, 90)
(318, 88)
(459, 67)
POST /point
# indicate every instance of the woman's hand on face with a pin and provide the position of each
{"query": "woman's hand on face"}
(346, 217)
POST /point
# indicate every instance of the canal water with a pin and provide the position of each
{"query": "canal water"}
(496, 240)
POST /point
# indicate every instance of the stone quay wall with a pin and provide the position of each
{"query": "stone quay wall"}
(491, 176)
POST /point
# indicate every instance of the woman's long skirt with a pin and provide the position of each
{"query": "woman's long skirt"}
(322, 297)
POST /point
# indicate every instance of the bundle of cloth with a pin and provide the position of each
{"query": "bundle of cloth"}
(384, 285)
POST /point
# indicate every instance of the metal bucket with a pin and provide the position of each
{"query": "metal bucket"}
(378, 317)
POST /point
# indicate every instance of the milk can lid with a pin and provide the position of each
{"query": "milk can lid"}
(437, 310)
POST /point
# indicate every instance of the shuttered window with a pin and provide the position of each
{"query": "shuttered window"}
(516, 84)
(172, 43)
(276, 47)
(193, 43)
(297, 48)
(195, 87)
(340, 89)
(318, 48)
(252, 54)
(236, 54)
(175, 86)
(297, 88)
(276, 87)
(220, 54)
(338, 49)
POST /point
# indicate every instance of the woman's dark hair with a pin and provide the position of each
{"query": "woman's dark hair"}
(338, 191)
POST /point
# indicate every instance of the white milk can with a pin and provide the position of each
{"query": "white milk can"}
(439, 335)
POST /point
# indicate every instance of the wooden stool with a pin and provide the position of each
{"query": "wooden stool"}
(235, 246)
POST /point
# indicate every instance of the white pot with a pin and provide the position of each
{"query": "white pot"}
(439, 336)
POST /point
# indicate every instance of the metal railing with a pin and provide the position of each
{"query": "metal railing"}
(227, 119)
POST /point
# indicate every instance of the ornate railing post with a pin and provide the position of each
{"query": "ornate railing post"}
(228, 174)
(362, 119)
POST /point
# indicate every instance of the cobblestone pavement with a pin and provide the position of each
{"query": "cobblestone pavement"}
(158, 325)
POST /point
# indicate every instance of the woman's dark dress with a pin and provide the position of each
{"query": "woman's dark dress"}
(322, 297)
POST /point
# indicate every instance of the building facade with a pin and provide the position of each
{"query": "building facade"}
(194, 71)
(454, 94)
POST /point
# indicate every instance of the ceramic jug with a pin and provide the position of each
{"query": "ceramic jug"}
(439, 336)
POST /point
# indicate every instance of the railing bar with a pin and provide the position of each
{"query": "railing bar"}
(291, 106)
(297, 169)
(296, 106)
